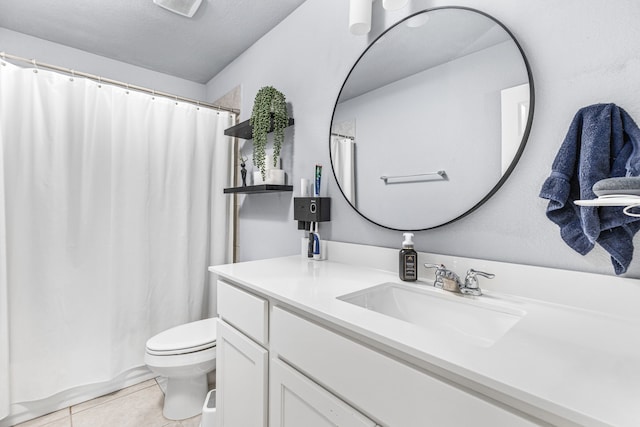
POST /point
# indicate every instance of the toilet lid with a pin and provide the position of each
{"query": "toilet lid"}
(194, 336)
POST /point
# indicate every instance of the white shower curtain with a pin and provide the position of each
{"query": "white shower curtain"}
(111, 199)
(343, 158)
(4, 304)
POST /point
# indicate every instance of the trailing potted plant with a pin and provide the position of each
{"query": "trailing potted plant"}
(269, 107)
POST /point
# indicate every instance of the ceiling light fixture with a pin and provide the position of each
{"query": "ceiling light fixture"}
(394, 4)
(186, 8)
(360, 17)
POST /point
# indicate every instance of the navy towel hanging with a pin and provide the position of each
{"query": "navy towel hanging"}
(603, 141)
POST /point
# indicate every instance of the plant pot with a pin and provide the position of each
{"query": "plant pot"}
(273, 176)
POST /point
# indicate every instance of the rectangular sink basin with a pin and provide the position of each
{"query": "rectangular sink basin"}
(471, 319)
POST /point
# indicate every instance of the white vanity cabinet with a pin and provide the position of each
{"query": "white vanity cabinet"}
(302, 372)
(242, 358)
(392, 392)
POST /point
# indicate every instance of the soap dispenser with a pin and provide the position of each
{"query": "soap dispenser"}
(408, 268)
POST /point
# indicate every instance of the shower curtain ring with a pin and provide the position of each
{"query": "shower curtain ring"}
(127, 92)
(99, 81)
(33, 61)
(73, 74)
(176, 98)
(4, 58)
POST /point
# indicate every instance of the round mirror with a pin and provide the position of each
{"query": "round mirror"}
(431, 119)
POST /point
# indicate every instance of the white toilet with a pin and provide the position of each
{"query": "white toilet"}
(184, 354)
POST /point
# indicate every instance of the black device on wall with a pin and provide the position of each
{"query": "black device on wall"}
(311, 209)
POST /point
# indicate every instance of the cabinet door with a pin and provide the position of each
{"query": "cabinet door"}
(297, 401)
(241, 380)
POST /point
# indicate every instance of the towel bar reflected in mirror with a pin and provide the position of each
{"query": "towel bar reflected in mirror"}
(401, 179)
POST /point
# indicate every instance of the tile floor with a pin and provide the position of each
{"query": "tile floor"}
(137, 406)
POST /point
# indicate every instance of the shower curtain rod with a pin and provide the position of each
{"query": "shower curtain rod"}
(353, 138)
(100, 79)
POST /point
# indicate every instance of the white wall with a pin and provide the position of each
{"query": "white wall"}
(44, 51)
(581, 52)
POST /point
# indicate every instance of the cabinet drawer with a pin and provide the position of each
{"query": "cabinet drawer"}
(397, 394)
(246, 312)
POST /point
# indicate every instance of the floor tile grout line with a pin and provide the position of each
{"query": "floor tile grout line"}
(120, 400)
(68, 414)
(50, 421)
(71, 413)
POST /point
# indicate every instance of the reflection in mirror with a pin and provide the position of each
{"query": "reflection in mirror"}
(343, 158)
(431, 119)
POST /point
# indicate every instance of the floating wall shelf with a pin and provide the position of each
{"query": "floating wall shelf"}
(245, 131)
(264, 188)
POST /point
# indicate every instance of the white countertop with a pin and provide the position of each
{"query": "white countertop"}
(580, 365)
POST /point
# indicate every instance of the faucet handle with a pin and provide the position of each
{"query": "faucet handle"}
(471, 286)
(440, 269)
(473, 273)
(445, 279)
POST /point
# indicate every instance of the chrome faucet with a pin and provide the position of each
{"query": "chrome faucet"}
(450, 281)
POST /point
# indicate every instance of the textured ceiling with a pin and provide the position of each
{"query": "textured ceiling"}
(140, 33)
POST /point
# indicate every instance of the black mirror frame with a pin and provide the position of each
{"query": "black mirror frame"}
(517, 155)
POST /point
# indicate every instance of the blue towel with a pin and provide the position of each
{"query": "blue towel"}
(603, 141)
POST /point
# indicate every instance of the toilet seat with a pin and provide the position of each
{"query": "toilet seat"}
(188, 338)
